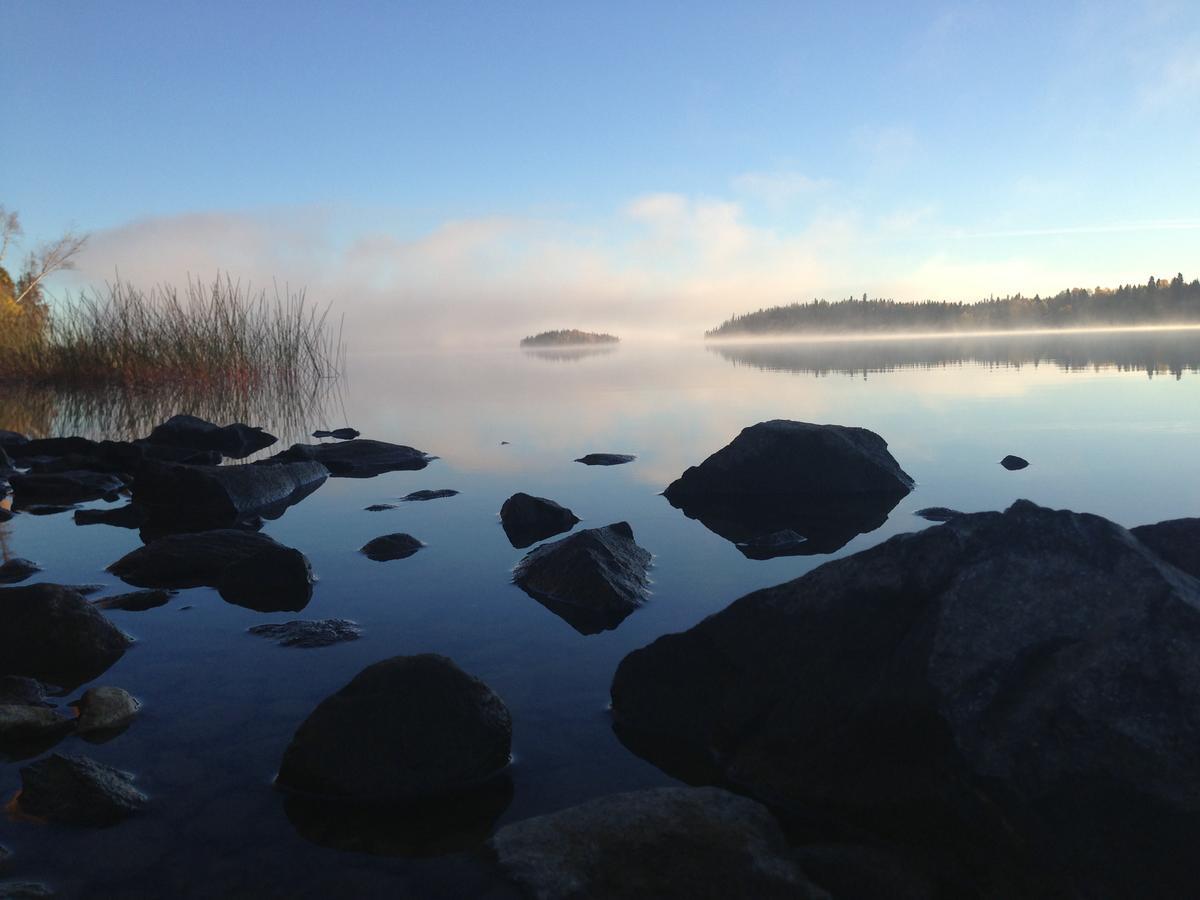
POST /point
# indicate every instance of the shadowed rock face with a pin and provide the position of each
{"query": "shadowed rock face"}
(826, 483)
(359, 458)
(1018, 692)
(53, 634)
(235, 440)
(1177, 541)
(527, 519)
(666, 843)
(592, 580)
(407, 727)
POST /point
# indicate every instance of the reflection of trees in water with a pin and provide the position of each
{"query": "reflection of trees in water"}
(289, 410)
(567, 354)
(1155, 353)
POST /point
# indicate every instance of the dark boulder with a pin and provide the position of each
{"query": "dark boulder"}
(592, 579)
(1016, 691)
(827, 483)
(527, 519)
(1013, 463)
(357, 458)
(606, 459)
(430, 495)
(224, 495)
(1176, 540)
(674, 842)
(17, 690)
(407, 727)
(106, 709)
(53, 634)
(236, 441)
(75, 790)
(129, 515)
(17, 569)
(10, 439)
(59, 446)
(64, 487)
(135, 601)
(309, 634)
(340, 434)
(391, 546)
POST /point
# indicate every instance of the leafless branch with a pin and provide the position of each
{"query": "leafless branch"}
(51, 257)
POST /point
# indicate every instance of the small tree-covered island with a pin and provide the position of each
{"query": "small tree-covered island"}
(1159, 301)
(568, 337)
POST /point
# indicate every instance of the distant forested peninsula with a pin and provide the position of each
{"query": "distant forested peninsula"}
(568, 337)
(1158, 301)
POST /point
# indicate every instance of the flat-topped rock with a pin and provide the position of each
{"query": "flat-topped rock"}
(358, 458)
(309, 634)
(340, 434)
(64, 487)
(592, 579)
(606, 459)
(420, 496)
(135, 601)
(391, 546)
(527, 519)
(236, 440)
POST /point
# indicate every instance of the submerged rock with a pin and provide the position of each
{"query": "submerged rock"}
(827, 483)
(527, 519)
(430, 495)
(1013, 463)
(407, 727)
(674, 842)
(64, 487)
(937, 513)
(1021, 684)
(235, 440)
(1176, 540)
(53, 634)
(135, 601)
(106, 709)
(380, 507)
(309, 634)
(75, 790)
(357, 458)
(17, 569)
(391, 546)
(592, 580)
(128, 516)
(605, 459)
(341, 434)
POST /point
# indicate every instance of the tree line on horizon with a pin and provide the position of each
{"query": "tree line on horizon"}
(1158, 301)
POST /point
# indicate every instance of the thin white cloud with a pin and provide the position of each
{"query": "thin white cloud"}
(778, 189)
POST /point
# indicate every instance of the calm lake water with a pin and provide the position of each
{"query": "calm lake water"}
(1110, 424)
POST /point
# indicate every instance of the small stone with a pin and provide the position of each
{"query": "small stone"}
(309, 634)
(17, 569)
(380, 507)
(341, 434)
(430, 495)
(105, 709)
(1013, 463)
(938, 513)
(605, 459)
(391, 546)
(135, 601)
(75, 790)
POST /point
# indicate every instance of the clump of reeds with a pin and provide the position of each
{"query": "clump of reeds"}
(217, 334)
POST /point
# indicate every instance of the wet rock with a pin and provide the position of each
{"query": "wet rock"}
(53, 634)
(236, 441)
(106, 709)
(10, 439)
(527, 519)
(130, 456)
(380, 507)
(827, 483)
(410, 726)
(20, 723)
(778, 543)
(1176, 540)
(128, 516)
(430, 495)
(65, 487)
(341, 434)
(21, 691)
(85, 589)
(937, 513)
(24, 890)
(224, 495)
(592, 579)
(357, 458)
(59, 446)
(391, 546)
(190, 560)
(605, 459)
(276, 579)
(1023, 685)
(17, 569)
(1013, 463)
(75, 790)
(674, 842)
(135, 601)
(309, 634)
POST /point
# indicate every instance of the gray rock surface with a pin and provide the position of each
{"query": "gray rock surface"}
(605, 459)
(406, 727)
(359, 458)
(53, 634)
(75, 790)
(391, 546)
(676, 842)
(527, 519)
(592, 579)
(309, 634)
(106, 708)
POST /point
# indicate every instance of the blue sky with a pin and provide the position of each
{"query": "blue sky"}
(658, 163)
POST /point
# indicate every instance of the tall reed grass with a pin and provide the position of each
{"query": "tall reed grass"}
(214, 335)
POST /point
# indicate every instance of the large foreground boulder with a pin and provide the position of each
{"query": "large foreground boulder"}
(75, 790)
(224, 495)
(592, 579)
(405, 728)
(193, 433)
(1017, 691)
(675, 842)
(527, 519)
(359, 458)
(53, 634)
(827, 483)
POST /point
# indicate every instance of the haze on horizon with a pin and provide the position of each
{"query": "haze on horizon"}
(458, 173)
